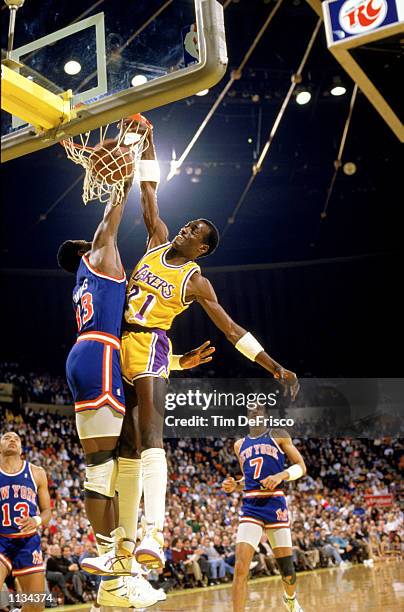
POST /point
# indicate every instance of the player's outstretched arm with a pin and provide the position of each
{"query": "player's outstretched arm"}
(104, 254)
(44, 503)
(148, 167)
(200, 289)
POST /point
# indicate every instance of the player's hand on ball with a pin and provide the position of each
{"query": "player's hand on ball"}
(198, 356)
(229, 485)
(271, 482)
(28, 525)
(136, 123)
(289, 382)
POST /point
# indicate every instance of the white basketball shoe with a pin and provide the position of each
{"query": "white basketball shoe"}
(123, 592)
(117, 561)
(150, 550)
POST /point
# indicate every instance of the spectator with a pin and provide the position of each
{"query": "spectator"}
(217, 568)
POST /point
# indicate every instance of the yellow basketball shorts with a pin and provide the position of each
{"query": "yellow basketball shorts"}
(145, 354)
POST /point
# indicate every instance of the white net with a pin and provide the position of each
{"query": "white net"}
(111, 162)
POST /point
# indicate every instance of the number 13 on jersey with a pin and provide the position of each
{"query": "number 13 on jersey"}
(84, 310)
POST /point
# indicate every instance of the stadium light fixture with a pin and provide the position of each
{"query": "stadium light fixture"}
(138, 79)
(72, 67)
(303, 97)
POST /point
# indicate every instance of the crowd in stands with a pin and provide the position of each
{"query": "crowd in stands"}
(332, 523)
(43, 387)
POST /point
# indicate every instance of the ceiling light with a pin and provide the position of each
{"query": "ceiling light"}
(203, 92)
(72, 67)
(349, 168)
(303, 97)
(138, 79)
(338, 90)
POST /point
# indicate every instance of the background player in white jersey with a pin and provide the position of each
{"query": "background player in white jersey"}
(261, 455)
(24, 507)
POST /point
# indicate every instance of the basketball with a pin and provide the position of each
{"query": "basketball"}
(111, 162)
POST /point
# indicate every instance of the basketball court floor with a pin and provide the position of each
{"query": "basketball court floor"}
(356, 589)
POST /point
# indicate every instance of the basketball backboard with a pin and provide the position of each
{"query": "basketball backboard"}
(117, 57)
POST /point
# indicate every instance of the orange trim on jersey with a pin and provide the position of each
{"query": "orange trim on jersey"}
(277, 525)
(250, 519)
(261, 493)
(33, 569)
(18, 535)
(6, 561)
(101, 337)
(106, 398)
(102, 275)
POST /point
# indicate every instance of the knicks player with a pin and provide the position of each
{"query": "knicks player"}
(261, 455)
(163, 285)
(24, 507)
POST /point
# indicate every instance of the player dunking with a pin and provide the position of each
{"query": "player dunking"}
(94, 377)
(24, 506)
(261, 455)
(163, 284)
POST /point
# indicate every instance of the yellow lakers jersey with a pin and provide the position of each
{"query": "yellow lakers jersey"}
(156, 290)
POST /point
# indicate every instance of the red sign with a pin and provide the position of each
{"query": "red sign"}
(379, 500)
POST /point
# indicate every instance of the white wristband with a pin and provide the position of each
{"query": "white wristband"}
(295, 471)
(249, 346)
(38, 520)
(175, 362)
(148, 170)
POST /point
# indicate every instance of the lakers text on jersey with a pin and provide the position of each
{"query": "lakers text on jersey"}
(156, 294)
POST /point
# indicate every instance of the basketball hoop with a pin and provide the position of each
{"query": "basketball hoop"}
(110, 163)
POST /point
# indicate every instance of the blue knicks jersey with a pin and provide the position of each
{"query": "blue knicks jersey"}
(260, 457)
(98, 300)
(18, 500)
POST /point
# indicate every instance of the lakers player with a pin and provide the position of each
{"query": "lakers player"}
(163, 285)
(262, 455)
(24, 507)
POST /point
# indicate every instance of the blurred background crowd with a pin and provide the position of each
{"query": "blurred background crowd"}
(347, 510)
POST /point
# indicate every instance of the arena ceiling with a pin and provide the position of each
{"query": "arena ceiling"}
(280, 218)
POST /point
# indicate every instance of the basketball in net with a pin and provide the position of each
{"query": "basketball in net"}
(111, 162)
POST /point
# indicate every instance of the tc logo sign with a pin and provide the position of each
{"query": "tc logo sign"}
(358, 16)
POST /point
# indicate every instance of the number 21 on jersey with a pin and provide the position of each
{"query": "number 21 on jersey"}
(140, 303)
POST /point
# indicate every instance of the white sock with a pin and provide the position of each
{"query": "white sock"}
(129, 487)
(154, 468)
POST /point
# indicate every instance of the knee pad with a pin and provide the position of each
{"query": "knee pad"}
(101, 474)
(287, 569)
